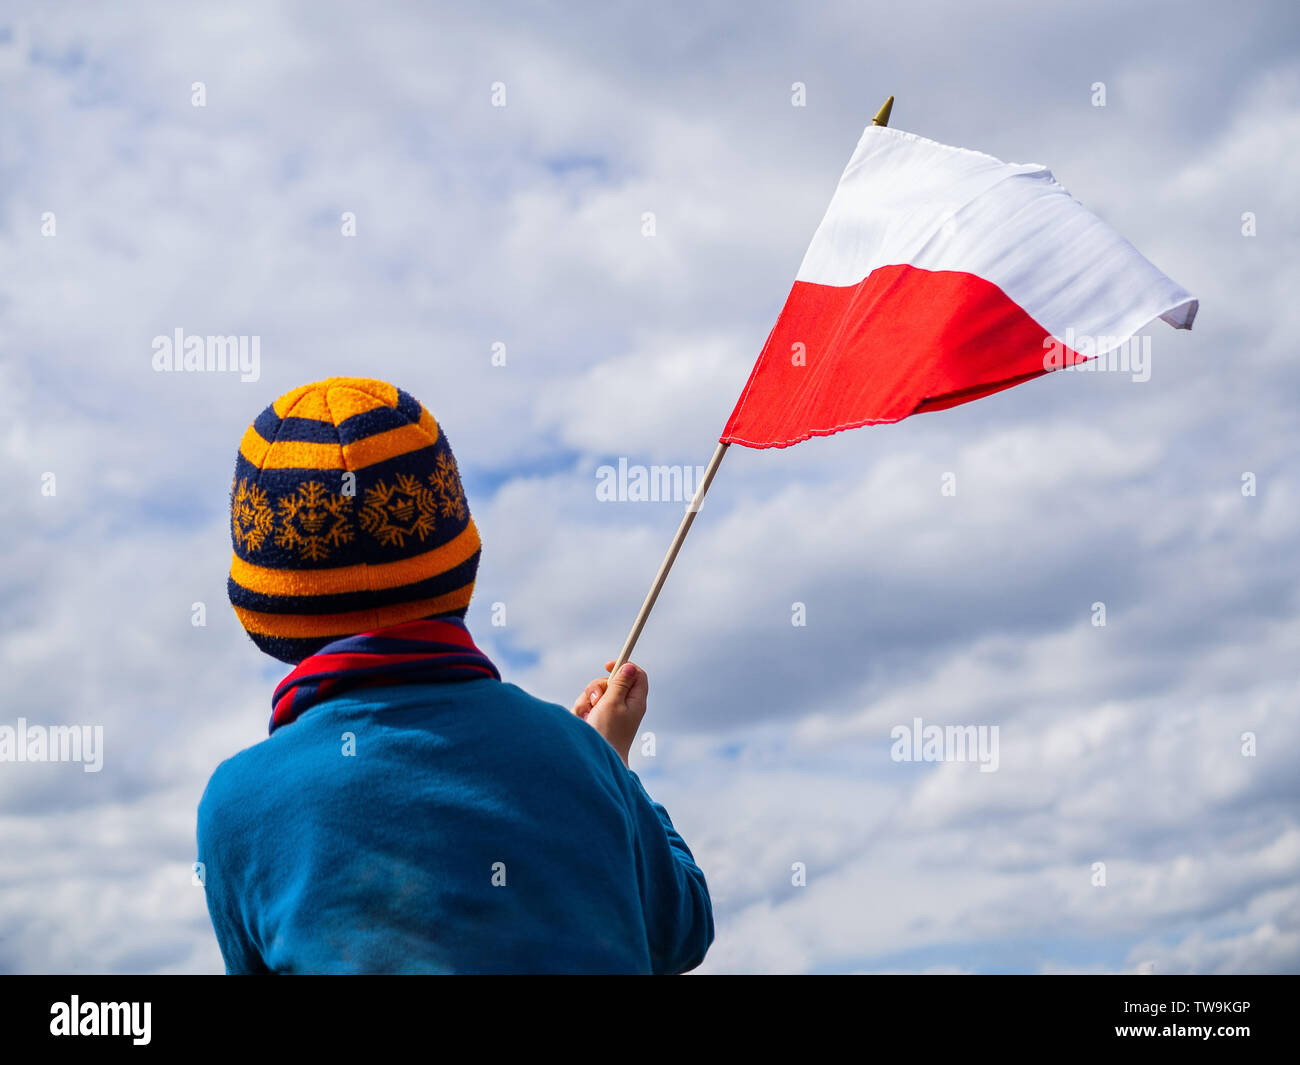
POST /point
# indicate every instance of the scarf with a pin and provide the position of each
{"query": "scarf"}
(415, 651)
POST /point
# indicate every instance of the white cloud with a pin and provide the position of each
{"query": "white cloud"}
(522, 225)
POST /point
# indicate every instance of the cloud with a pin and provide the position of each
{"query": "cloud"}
(524, 226)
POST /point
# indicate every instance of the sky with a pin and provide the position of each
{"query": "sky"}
(195, 167)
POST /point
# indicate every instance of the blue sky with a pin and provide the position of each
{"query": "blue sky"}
(522, 225)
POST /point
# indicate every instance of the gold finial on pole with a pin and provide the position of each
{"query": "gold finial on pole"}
(882, 116)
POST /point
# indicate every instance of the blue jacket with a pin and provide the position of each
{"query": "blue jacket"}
(448, 828)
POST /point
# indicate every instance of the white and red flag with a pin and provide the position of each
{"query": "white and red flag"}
(940, 275)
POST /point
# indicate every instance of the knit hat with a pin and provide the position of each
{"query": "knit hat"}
(347, 514)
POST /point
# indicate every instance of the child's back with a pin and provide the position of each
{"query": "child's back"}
(410, 812)
(454, 827)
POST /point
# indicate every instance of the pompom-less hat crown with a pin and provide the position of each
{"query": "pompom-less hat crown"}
(347, 514)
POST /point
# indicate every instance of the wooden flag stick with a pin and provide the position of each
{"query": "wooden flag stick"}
(697, 501)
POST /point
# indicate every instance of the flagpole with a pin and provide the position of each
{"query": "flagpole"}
(697, 501)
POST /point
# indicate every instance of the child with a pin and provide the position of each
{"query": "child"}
(410, 811)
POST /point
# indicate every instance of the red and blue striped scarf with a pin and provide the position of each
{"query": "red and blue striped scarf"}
(437, 649)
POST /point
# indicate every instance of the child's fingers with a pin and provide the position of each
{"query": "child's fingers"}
(624, 680)
(640, 680)
(590, 696)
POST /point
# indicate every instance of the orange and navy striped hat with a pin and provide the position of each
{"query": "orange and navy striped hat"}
(347, 514)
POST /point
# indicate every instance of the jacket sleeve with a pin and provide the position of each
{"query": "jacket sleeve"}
(239, 955)
(237, 949)
(674, 895)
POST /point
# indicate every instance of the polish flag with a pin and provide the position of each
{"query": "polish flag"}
(940, 275)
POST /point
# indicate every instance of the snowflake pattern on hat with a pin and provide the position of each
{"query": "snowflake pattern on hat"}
(250, 515)
(394, 512)
(314, 521)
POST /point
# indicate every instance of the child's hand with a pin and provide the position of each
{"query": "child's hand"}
(614, 706)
